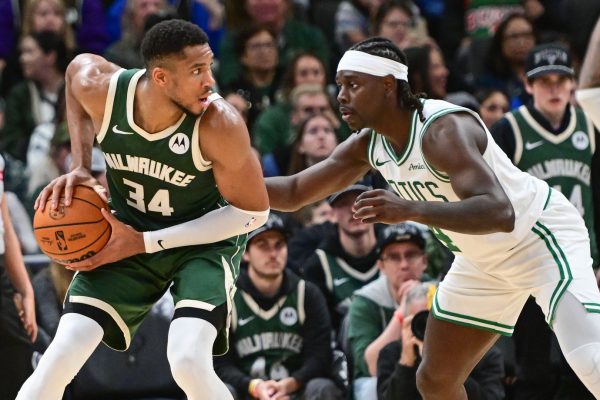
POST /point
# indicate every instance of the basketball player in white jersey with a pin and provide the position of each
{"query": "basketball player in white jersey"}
(511, 234)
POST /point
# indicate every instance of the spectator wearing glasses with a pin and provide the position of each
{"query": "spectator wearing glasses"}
(256, 48)
(398, 360)
(377, 308)
(396, 21)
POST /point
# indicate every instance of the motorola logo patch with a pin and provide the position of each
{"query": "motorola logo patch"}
(179, 143)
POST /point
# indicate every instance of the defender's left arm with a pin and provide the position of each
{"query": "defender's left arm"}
(454, 144)
(225, 142)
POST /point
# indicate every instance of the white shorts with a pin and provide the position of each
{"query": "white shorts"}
(553, 258)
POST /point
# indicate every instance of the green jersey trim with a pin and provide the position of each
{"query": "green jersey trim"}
(592, 307)
(563, 267)
(399, 160)
(547, 198)
(438, 174)
(467, 320)
(371, 148)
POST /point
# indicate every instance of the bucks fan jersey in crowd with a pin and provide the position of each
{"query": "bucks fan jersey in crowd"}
(269, 343)
(413, 178)
(151, 176)
(341, 279)
(561, 159)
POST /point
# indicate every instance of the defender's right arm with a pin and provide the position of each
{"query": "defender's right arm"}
(347, 164)
(87, 79)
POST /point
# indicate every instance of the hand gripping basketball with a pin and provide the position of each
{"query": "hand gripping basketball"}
(124, 242)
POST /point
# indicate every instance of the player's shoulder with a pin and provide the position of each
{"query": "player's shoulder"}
(220, 115)
(91, 72)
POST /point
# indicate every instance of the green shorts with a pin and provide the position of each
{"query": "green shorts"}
(119, 295)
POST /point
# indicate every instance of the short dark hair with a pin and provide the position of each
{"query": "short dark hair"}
(378, 46)
(388, 7)
(49, 42)
(248, 32)
(170, 37)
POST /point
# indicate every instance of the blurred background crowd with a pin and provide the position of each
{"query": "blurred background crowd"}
(344, 290)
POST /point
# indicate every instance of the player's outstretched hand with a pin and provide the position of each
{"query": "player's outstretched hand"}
(124, 242)
(381, 206)
(65, 183)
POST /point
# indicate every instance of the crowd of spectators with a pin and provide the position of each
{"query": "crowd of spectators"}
(325, 303)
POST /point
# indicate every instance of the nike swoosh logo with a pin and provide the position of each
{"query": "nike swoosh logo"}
(340, 281)
(244, 321)
(160, 244)
(533, 145)
(120, 132)
(379, 163)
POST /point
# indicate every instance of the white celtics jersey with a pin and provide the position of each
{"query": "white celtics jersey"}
(413, 178)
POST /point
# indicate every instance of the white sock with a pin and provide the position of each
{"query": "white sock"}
(76, 339)
(190, 355)
(578, 333)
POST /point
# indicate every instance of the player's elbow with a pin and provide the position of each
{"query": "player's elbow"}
(506, 217)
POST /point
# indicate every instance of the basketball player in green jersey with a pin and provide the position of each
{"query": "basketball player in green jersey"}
(512, 236)
(549, 138)
(555, 142)
(185, 187)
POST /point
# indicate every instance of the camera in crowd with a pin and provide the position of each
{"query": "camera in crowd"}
(419, 323)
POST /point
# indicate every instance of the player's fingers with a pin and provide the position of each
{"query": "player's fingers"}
(108, 216)
(101, 192)
(364, 212)
(79, 265)
(40, 201)
(57, 191)
(368, 194)
(69, 185)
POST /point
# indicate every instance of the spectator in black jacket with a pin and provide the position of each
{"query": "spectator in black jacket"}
(279, 340)
(398, 361)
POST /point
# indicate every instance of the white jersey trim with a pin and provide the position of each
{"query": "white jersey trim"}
(200, 162)
(107, 308)
(263, 314)
(108, 106)
(549, 136)
(129, 102)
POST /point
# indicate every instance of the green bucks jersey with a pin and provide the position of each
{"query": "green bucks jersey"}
(155, 180)
(563, 160)
(268, 342)
(342, 280)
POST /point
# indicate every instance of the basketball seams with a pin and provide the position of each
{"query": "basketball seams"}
(66, 235)
(71, 224)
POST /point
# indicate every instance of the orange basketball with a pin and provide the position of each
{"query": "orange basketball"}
(73, 233)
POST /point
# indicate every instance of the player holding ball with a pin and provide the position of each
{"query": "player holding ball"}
(185, 188)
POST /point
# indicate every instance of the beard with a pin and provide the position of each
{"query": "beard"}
(184, 109)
